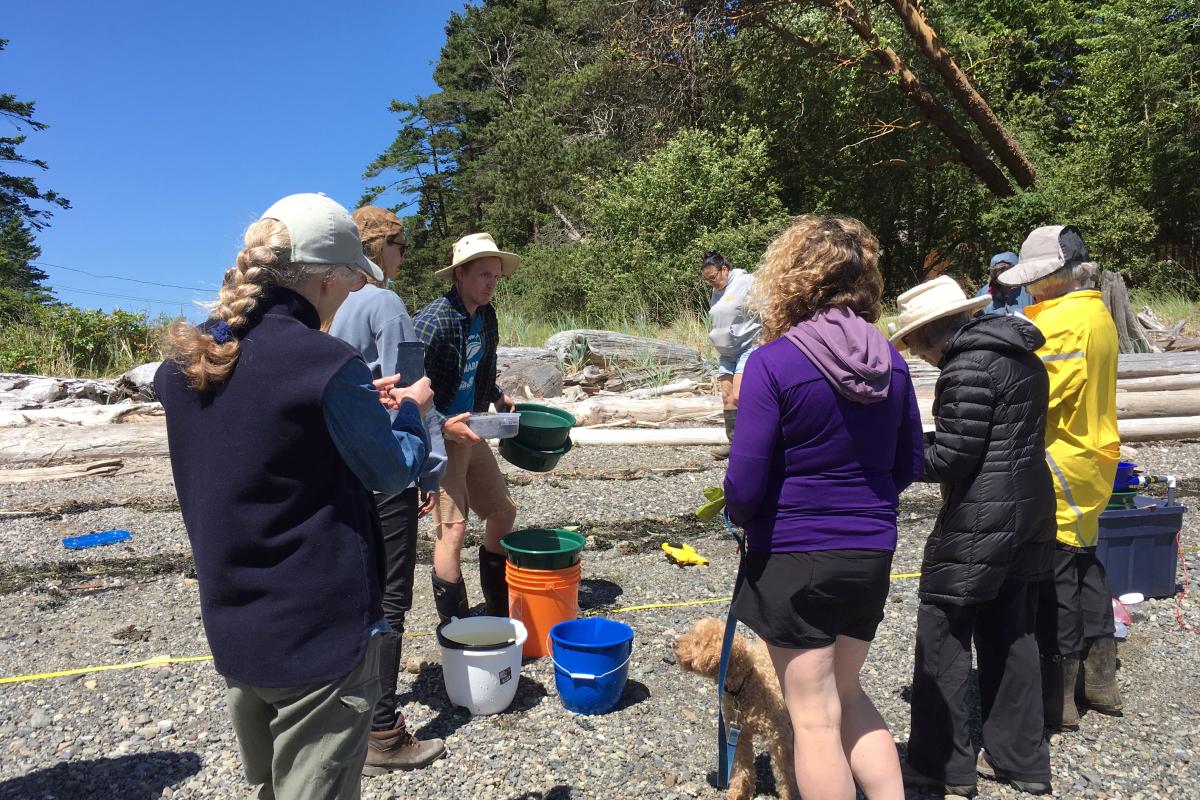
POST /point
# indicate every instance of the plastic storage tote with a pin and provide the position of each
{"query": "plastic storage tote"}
(1139, 548)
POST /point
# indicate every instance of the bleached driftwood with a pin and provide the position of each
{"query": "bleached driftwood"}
(1159, 383)
(1154, 430)
(42, 446)
(81, 416)
(1143, 405)
(606, 347)
(64, 472)
(685, 385)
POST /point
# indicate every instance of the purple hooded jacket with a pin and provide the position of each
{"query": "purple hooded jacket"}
(828, 435)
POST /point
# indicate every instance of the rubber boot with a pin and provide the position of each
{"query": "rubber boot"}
(1058, 693)
(721, 453)
(450, 599)
(493, 582)
(398, 749)
(1099, 690)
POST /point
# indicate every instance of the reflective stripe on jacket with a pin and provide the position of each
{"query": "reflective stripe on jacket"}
(1082, 445)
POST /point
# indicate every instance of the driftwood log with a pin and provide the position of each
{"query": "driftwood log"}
(89, 470)
(530, 378)
(606, 347)
(1130, 337)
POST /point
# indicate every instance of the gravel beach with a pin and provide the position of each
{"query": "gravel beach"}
(162, 730)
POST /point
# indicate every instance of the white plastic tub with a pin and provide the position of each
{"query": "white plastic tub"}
(501, 425)
(481, 661)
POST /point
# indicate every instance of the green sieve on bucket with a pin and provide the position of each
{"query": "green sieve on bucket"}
(543, 548)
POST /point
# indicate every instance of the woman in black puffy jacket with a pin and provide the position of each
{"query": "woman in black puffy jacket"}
(992, 542)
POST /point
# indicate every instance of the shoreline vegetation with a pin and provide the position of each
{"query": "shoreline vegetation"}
(67, 342)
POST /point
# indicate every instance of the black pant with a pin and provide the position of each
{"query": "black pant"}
(1075, 605)
(398, 515)
(1010, 688)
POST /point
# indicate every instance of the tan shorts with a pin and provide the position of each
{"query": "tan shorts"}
(472, 480)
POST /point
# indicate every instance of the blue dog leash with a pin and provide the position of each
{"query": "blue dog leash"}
(727, 740)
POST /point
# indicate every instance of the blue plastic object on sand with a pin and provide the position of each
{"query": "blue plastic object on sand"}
(95, 539)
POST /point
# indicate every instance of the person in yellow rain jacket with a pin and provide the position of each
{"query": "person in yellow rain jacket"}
(1075, 620)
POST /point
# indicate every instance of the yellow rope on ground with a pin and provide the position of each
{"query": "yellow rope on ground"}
(159, 661)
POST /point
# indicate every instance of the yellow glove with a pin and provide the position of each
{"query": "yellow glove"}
(684, 555)
(715, 505)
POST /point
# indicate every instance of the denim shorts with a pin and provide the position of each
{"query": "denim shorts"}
(733, 365)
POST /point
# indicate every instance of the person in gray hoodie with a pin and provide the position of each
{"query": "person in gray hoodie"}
(378, 324)
(734, 331)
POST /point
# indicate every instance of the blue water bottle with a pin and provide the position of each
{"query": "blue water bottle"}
(95, 539)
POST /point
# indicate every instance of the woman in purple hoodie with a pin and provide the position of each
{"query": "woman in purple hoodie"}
(829, 434)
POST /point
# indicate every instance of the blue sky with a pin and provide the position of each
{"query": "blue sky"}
(174, 125)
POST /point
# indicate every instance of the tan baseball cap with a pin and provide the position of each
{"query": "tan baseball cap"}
(322, 232)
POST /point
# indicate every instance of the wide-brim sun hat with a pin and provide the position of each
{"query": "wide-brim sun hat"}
(1045, 251)
(932, 300)
(474, 246)
(322, 232)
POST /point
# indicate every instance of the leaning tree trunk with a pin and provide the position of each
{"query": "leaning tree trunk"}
(974, 156)
(926, 39)
(1130, 337)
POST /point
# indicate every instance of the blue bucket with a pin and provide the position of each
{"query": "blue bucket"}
(591, 663)
(1125, 476)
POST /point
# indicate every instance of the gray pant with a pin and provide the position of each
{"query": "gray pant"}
(307, 742)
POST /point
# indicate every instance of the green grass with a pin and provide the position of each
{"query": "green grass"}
(1169, 307)
(70, 342)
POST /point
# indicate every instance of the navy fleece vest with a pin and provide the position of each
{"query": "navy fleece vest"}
(286, 539)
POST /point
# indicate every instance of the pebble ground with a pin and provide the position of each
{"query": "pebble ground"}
(162, 731)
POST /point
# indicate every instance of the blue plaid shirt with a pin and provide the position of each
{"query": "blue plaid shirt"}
(443, 326)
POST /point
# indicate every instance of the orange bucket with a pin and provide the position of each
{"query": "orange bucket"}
(540, 599)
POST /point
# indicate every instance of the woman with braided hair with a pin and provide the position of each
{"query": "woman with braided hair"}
(278, 435)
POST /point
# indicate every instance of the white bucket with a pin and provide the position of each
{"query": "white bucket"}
(481, 661)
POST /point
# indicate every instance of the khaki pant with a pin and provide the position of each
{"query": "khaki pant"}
(472, 482)
(307, 742)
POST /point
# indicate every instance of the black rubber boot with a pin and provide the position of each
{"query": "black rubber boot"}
(722, 452)
(1099, 690)
(1058, 693)
(493, 582)
(450, 599)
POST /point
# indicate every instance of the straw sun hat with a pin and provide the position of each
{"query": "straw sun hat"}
(940, 297)
(478, 245)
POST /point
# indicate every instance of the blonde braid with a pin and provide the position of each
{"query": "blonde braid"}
(261, 263)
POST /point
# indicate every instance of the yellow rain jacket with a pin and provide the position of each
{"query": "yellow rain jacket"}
(1082, 445)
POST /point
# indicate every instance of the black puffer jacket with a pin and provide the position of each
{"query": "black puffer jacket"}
(988, 452)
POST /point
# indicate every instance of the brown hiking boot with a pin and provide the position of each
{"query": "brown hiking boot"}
(398, 749)
(1058, 693)
(1099, 690)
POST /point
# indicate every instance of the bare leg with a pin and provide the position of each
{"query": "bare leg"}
(498, 525)
(447, 551)
(728, 397)
(735, 392)
(811, 694)
(865, 737)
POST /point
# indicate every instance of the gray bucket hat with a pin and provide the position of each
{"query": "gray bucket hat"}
(1044, 252)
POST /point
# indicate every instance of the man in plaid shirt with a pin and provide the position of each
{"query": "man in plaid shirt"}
(461, 335)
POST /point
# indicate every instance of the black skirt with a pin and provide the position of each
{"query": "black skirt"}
(806, 600)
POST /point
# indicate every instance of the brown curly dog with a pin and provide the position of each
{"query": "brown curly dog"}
(753, 701)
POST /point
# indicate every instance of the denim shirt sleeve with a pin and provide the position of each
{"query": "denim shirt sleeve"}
(435, 462)
(385, 457)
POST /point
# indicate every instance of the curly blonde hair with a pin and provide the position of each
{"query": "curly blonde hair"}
(817, 262)
(263, 262)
